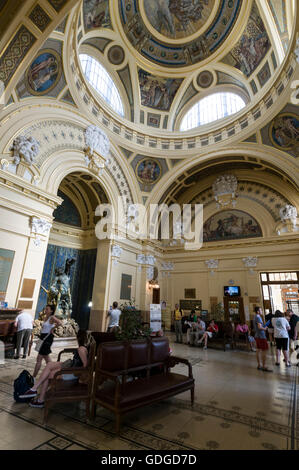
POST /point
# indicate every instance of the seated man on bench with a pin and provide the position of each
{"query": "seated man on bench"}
(198, 330)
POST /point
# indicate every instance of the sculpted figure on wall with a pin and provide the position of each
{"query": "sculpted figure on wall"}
(25, 147)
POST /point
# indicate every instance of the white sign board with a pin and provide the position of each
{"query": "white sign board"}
(155, 317)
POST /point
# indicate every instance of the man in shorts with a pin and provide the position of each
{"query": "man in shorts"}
(261, 340)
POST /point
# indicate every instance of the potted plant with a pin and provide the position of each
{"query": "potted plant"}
(131, 323)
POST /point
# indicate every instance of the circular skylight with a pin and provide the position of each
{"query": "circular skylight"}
(101, 81)
(211, 108)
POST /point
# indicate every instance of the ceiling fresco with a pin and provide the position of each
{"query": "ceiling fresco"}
(96, 14)
(150, 28)
(157, 92)
(254, 44)
(178, 19)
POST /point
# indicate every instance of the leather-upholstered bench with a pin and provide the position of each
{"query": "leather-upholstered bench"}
(120, 387)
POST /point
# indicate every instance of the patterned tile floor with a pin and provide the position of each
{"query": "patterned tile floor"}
(236, 407)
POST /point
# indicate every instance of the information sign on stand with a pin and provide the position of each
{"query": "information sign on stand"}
(155, 317)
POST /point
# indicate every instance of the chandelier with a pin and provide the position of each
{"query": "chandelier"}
(224, 189)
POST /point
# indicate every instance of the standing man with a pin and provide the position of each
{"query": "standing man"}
(113, 314)
(261, 340)
(24, 325)
(293, 324)
(178, 314)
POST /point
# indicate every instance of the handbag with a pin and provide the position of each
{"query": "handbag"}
(40, 342)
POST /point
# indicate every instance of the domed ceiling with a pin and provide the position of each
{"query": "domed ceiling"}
(164, 55)
(178, 33)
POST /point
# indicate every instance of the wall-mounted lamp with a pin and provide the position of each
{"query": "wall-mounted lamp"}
(90, 304)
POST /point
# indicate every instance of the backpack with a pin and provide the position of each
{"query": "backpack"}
(22, 383)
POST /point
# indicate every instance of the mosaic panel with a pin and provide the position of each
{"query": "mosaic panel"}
(96, 14)
(15, 53)
(40, 18)
(254, 44)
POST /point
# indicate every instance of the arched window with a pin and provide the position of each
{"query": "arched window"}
(101, 81)
(211, 108)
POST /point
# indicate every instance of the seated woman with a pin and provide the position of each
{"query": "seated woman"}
(80, 359)
(212, 330)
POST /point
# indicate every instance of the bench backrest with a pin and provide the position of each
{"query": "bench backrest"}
(122, 355)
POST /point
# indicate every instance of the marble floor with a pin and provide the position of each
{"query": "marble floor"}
(236, 407)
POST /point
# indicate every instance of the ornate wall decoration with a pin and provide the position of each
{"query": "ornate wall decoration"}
(44, 72)
(284, 131)
(250, 262)
(26, 148)
(57, 136)
(264, 74)
(96, 14)
(40, 226)
(205, 79)
(224, 189)
(230, 225)
(288, 213)
(57, 4)
(116, 252)
(212, 264)
(167, 267)
(148, 171)
(157, 92)
(116, 55)
(254, 44)
(96, 141)
(178, 33)
(297, 50)
(40, 18)
(15, 53)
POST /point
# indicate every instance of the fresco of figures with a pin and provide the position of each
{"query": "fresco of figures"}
(44, 72)
(178, 18)
(229, 225)
(148, 171)
(284, 131)
(157, 92)
(96, 14)
(250, 50)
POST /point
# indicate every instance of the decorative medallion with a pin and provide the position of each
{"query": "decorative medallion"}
(178, 33)
(205, 79)
(148, 171)
(44, 72)
(284, 131)
(116, 55)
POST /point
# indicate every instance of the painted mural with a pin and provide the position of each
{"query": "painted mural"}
(178, 18)
(230, 225)
(284, 131)
(144, 22)
(264, 74)
(96, 14)
(157, 92)
(148, 171)
(44, 72)
(250, 50)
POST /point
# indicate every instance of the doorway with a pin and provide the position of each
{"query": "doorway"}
(280, 291)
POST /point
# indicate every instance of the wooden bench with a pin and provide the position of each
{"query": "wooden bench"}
(123, 378)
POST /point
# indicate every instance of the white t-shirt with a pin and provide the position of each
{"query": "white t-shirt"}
(24, 321)
(280, 327)
(114, 315)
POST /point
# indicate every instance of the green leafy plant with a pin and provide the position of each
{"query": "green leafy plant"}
(218, 312)
(132, 326)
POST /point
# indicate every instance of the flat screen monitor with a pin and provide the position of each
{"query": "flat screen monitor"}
(232, 291)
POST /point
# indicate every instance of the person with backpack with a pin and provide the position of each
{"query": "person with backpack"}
(50, 323)
(80, 359)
